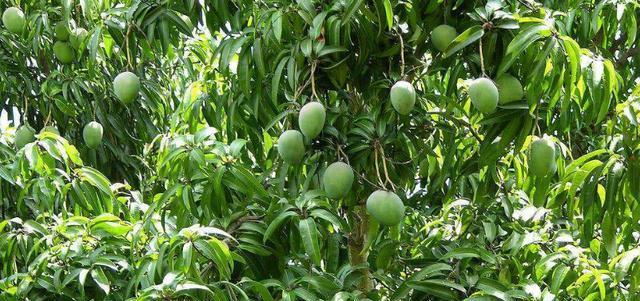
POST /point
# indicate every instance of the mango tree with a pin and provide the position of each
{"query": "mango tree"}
(319, 150)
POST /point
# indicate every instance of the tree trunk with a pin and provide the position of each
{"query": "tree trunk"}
(357, 241)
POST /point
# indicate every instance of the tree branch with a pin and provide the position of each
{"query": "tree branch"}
(626, 55)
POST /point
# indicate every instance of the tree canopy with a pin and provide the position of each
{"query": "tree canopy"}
(320, 150)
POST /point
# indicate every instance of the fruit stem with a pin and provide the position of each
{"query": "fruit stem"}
(537, 117)
(341, 154)
(446, 8)
(375, 152)
(313, 80)
(384, 166)
(126, 45)
(26, 111)
(401, 54)
(481, 59)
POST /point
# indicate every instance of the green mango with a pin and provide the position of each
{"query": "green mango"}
(311, 119)
(442, 36)
(484, 95)
(14, 20)
(337, 180)
(403, 97)
(291, 146)
(92, 134)
(385, 207)
(126, 86)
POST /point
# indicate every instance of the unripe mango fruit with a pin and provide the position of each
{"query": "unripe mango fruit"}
(92, 134)
(62, 31)
(291, 146)
(77, 36)
(442, 36)
(509, 89)
(50, 129)
(403, 97)
(14, 20)
(385, 207)
(311, 119)
(337, 180)
(126, 86)
(484, 95)
(24, 135)
(63, 52)
(542, 157)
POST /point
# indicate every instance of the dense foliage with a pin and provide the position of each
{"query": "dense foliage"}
(188, 190)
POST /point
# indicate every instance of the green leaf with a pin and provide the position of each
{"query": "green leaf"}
(187, 256)
(112, 228)
(101, 279)
(244, 72)
(521, 42)
(305, 294)
(218, 252)
(463, 253)
(546, 263)
(440, 282)
(436, 289)
(275, 224)
(178, 22)
(327, 216)
(34, 227)
(277, 25)
(275, 80)
(559, 273)
(316, 27)
(469, 36)
(388, 11)
(330, 49)
(236, 147)
(572, 50)
(190, 286)
(309, 235)
(621, 263)
(351, 9)
(258, 58)
(94, 42)
(95, 178)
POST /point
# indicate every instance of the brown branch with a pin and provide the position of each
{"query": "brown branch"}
(626, 55)
(615, 45)
(236, 224)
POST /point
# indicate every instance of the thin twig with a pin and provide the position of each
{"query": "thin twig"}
(301, 88)
(367, 180)
(454, 120)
